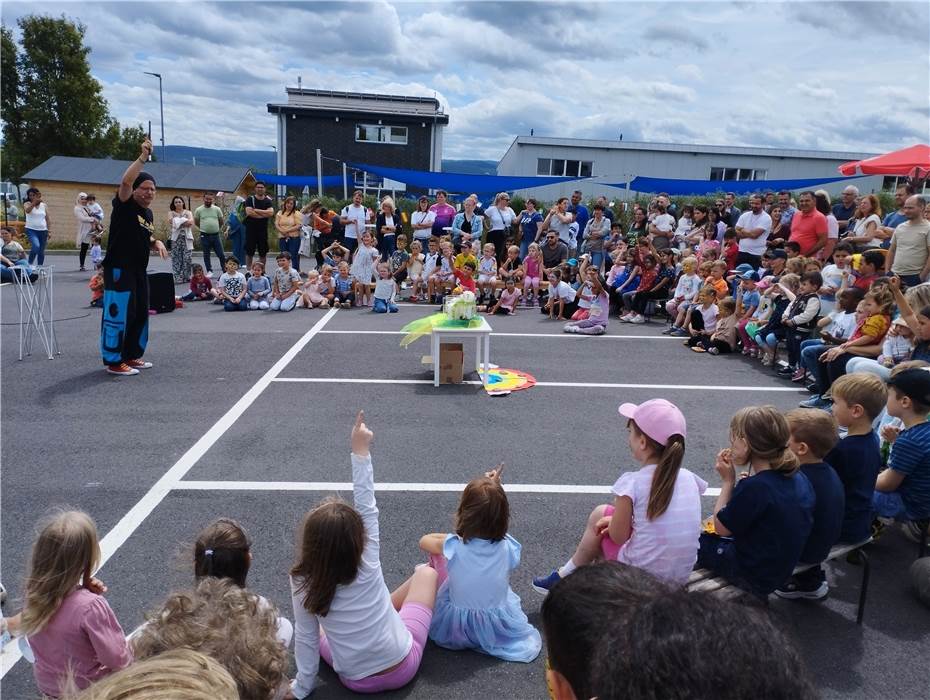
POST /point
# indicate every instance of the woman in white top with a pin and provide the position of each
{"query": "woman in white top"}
(500, 219)
(868, 231)
(37, 223)
(87, 225)
(421, 221)
(182, 240)
(372, 638)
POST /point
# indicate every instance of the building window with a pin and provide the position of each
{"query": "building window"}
(564, 168)
(376, 133)
(737, 174)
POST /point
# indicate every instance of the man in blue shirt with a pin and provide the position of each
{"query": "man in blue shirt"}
(579, 211)
(845, 209)
(893, 219)
(787, 211)
(813, 435)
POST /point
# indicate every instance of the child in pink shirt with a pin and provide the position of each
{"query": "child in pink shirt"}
(655, 519)
(69, 624)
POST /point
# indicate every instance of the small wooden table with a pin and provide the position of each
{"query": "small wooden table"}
(482, 336)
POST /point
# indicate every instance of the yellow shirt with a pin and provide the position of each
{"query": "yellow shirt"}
(462, 258)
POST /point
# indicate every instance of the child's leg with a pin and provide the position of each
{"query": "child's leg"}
(380, 306)
(275, 304)
(289, 303)
(419, 588)
(589, 548)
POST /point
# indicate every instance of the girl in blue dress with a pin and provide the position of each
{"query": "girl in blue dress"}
(475, 607)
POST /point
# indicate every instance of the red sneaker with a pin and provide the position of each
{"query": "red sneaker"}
(121, 369)
(138, 363)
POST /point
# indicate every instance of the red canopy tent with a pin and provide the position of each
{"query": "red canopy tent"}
(913, 162)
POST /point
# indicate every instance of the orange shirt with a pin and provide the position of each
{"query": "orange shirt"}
(720, 286)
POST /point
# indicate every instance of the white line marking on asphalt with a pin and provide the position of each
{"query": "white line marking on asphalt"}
(585, 385)
(116, 537)
(402, 487)
(517, 335)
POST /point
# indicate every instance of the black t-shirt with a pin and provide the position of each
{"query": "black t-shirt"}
(131, 231)
(254, 224)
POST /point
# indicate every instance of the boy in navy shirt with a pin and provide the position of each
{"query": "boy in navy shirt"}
(858, 399)
(813, 435)
(902, 491)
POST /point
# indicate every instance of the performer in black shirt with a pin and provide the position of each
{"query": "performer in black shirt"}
(125, 324)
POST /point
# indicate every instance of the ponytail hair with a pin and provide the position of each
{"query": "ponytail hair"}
(766, 432)
(671, 456)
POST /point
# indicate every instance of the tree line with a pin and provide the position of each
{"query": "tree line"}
(49, 101)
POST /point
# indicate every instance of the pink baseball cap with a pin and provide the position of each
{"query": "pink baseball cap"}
(657, 418)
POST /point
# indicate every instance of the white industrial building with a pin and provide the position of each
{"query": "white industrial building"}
(621, 161)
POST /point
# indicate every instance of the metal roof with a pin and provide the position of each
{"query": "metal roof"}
(334, 101)
(107, 171)
(687, 148)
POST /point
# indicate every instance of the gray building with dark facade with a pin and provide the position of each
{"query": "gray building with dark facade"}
(390, 130)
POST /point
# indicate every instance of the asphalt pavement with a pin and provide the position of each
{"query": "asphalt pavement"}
(72, 435)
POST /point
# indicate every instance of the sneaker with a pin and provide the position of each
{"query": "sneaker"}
(542, 584)
(747, 351)
(713, 350)
(346, 305)
(626, 318)
(768, 360)
(670, 330)
(121, 369)
(139, 363)
(815, 401)
(800, 375)
(786, 371)
(680, 333)
(794, 590)
(812, 388)
(638, 318)
(754, 353)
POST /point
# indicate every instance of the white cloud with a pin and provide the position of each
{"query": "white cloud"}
(690, 71)
(681, 72)
(817, 91)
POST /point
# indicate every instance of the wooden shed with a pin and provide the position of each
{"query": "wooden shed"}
(61, 178)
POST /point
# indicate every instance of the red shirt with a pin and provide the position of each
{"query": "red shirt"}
(465, 280)
(730, 253)
(807, 228)
(647, 280)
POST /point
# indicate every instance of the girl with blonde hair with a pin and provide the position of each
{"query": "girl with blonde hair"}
(228, 623)
(179, 673)
(760, 525)
(70, 626)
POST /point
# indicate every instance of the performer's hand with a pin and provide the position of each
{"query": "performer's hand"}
(161, 250)
(146, 149)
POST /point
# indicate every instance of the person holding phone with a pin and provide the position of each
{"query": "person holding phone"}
(37, 223)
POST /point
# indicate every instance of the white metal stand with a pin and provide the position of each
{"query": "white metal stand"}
(36, 301)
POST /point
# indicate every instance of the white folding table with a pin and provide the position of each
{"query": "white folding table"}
(482, 336)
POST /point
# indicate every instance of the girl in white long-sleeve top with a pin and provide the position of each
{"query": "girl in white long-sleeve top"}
(343, 611)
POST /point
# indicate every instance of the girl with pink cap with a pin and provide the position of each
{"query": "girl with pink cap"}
(654, 521)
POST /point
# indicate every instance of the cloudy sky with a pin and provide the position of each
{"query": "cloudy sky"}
(844, 76)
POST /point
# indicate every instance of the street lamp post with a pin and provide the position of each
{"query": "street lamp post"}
(161, 109)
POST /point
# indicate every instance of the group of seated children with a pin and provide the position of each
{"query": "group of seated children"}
(802, 491)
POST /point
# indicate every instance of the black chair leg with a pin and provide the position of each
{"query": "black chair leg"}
(864, 586)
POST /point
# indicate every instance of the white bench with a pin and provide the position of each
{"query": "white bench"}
(704, 580)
